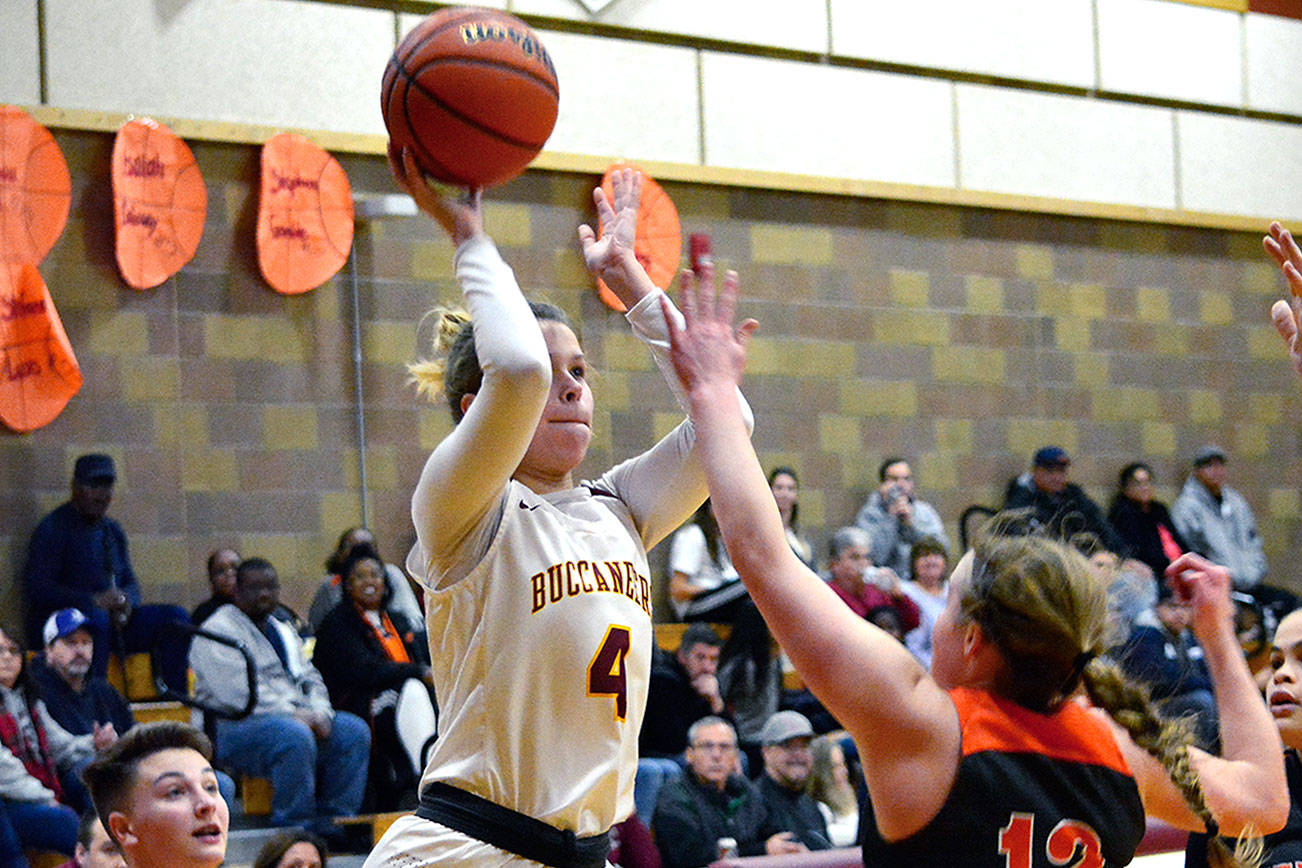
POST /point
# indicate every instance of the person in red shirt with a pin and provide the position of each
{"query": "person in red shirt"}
(863, 586)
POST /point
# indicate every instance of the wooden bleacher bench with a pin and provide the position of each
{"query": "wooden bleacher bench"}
(379, 823)
(45, 859)
(670, 635)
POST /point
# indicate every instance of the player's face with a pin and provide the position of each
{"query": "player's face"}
(103, 852)
(1284, 689)
(564, 431)
(947, 632)
(175, 814)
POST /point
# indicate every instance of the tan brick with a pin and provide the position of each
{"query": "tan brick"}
(291, 426)
(350, 467)
(1035, 261)
(780, 244)
(1215, 308)
(271, 339)
(602, 436)
(433, 424)
(921, 327)
(839, 434)
(151, 379)
(940, 469)
(954, 435)
(389, 342)
(1251, 441)
(509, 224)
(816, 358)
(1171, 340)
(1083, 300)
(611, 390)
(1284, 503)
(157, 557)
(1090, 370)
(1153, 304)
(1125, 403)
(967, 364)
(813, 508)
(1265, 343)
(382, 468)
(1027, 435)
(290, 554)
(984, 294)
(1157, 439)
(763, 357)
(624, 352)
(432, 260)
(209, 470)
(181, 424)
(1204, 406)
(663, 423)
(1263, 278)
(909, 288)
(339, 509)
(1071, 334)
(568, 269)
(1265, 409)
(119, 333)
(878, 398)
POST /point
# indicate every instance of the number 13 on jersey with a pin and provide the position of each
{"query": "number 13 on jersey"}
(606, 675)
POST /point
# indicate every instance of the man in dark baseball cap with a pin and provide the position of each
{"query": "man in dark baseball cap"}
(95, 468)
(1057, 504)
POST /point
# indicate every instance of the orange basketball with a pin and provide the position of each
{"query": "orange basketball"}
(473, 93)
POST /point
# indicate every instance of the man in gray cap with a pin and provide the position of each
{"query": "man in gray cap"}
(788, 760)
(78, 559)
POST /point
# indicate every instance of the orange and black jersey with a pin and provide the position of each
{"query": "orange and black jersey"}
(1283, 848)
(1032, 791)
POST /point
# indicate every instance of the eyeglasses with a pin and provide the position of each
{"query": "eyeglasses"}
(11, 650)
(720, 746)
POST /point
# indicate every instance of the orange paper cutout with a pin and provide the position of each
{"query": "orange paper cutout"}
(305, 215)
(159, 202)
(658, 243)
(35, 188)
(38, 372)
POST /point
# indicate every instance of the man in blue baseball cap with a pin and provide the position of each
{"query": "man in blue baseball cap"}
(1057, 504)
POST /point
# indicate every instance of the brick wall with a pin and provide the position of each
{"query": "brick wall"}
(962, 338)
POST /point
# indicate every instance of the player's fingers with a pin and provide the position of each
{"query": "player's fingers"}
(687, 294)
(605, 211)
(728, 297)
(705, 296)
(744, 331)
(1281, 315)
(1294, 277)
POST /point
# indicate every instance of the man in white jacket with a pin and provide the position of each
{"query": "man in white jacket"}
(315, 757)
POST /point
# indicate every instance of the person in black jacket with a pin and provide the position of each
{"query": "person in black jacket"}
(366, 653)
(1143, 521)
(1061, 507)
(788, 760)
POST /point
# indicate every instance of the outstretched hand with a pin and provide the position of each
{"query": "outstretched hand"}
(1287, 315)
(707, 349)
(1205, 588)
(612, 257)
(461, 217)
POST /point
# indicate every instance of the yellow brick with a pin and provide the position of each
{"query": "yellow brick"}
(1204, 406)
(955, 435)
(1071, 334)
(1158, 439)
(839, 434)
(1265, 409)
(269, 339)
(509, 224)
(325, 305)
(601, 429)
(1035, 261)
(151, 379)
(1214, 308)
(762, 357)
(352, 469)
(813, 508)
(703, 203)
(1084, 300)
(939, 469)
(611, 390)
(779, 244)
(1027, 435)
(1265, 343)
(1171, 340)
(967, 364)
(1125, 403)
(1090, 369)
(291, 426)
(568, 269)
(1284, 503)
(663, 423)
(433, 424)
(156, 558)
(625, 352)
(1250, 441)
(339, 509)
(816, 358)
(1263, 278)
(877, 398)
(984, 294)
(181, 425)
(432, 260)
(909, 288)
(1153, 304)
(209, 470)
(289, 554)
(382, 468)
(391, 343)
(922, 327)
(119, 333)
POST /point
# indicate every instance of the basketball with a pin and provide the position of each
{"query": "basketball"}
(472, 92)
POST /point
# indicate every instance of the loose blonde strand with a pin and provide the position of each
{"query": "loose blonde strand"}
(426, 374)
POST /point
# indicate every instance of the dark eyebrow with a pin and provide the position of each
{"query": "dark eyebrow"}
(206, 770)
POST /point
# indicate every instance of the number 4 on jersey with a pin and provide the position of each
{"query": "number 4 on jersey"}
(606, 676)
(1070, 843)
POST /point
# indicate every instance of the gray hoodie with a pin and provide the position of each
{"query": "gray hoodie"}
(1224, 533)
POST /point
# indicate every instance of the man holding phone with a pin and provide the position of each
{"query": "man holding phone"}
(895, 519)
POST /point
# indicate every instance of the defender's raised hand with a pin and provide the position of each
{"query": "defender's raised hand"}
(1287, 315)
(708, 350)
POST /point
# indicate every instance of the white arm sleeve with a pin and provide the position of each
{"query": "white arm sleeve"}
(464, 478)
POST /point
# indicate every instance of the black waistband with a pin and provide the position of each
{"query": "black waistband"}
(510, 830)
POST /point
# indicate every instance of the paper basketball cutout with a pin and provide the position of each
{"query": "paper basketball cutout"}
(35, 188)
(658, 243)
(305, 215)
(159, 202)
(38, 371)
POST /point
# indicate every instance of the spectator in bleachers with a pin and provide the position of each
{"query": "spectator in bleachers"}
(829, 787)
(703, 586)
(631, 845)
(861, 585)
(1143, 521)
(928, 589)
(1132, 592)
(315, 757)
(78, 558)
(895, 519)
(750, 679)
(222, 564)
(1217, 523)
(786, 492)
(294, 848)
(367, 653)
(1058, 505)
(80, 701)
(11, 848)
(788, 761)
(712, 801)
(95, 849)
(39, 762)
(1163, 654)
(331, 589)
